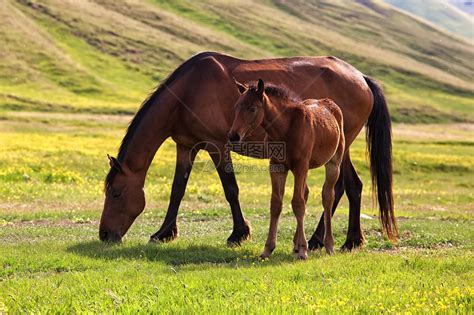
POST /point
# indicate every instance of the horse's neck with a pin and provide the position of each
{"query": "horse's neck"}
(277, 120)
(153, 129)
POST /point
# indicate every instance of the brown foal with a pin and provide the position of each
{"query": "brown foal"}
(312, 131)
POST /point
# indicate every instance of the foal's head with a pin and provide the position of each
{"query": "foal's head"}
(248, 111)
(124, 201)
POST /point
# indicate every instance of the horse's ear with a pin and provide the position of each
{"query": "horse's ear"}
(260, 88)
(114, 163)
(242, 87)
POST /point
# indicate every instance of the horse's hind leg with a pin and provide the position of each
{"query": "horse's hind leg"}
(241, 229)
(184, 163)
(316, 240)
(353, 186)
(278, 190)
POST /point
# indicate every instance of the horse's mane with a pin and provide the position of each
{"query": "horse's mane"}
(277, 91)
(146, 105)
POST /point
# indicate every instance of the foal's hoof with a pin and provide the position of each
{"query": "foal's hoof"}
(329, 250)
(267, 251)
(303, 256)
(351, 244)
(314, 243)
(238, 236)
(164, 236)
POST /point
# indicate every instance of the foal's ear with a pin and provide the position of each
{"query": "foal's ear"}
(260, 88)
(114, 163)
(242, 87)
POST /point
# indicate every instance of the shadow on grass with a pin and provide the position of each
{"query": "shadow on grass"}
(175, 255)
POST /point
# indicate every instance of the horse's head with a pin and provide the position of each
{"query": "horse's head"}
(248, 111)
(124, 201)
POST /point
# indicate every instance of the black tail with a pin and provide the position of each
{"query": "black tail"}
(379, 144)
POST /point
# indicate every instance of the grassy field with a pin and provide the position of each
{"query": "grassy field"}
(51, 172)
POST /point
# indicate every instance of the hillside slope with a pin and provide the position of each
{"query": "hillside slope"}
(463, 5)
(105, 56)
(442, 13)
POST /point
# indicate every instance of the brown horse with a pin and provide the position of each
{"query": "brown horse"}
(312, 134)
(194, 106)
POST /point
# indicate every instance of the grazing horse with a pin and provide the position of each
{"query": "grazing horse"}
(194, 106)
(312, 134)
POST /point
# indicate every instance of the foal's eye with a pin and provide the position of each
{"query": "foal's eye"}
(253, 109)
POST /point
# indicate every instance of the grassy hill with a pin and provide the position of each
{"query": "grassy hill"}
(105, 56)
(465, 6)
(446, 14)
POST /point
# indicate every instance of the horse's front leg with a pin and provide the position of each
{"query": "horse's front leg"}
(184, 163)
(298, 203)
(223, 163)
(278, 176)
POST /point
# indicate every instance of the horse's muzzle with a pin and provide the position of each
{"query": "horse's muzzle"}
(109, 236)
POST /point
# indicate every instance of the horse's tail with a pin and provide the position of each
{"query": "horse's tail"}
(379, 145)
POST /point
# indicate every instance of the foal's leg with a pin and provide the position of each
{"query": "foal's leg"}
(353, 186)
(184, 163)
(299, 208)
(306, 194)
(241, 228)
(316, 241)
(328, 194)
(278, 190)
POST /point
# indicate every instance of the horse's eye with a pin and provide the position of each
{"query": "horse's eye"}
(253, 109)
(115, 194)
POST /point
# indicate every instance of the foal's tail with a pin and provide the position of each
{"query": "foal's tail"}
(379, 145)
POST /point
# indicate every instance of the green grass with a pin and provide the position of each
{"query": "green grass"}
(51, 172)
(201, 273)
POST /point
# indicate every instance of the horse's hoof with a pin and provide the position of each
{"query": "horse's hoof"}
(233, 243)
(263, 257)
(238, 236)
(164, 237)
(351, 244)
(315, 244)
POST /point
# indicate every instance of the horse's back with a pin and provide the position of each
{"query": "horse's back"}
(313, 78)
(308, 77)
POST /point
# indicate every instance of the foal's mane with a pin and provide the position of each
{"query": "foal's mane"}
(146, 105)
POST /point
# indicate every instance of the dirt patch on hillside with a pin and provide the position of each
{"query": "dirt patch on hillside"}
(51, 223)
